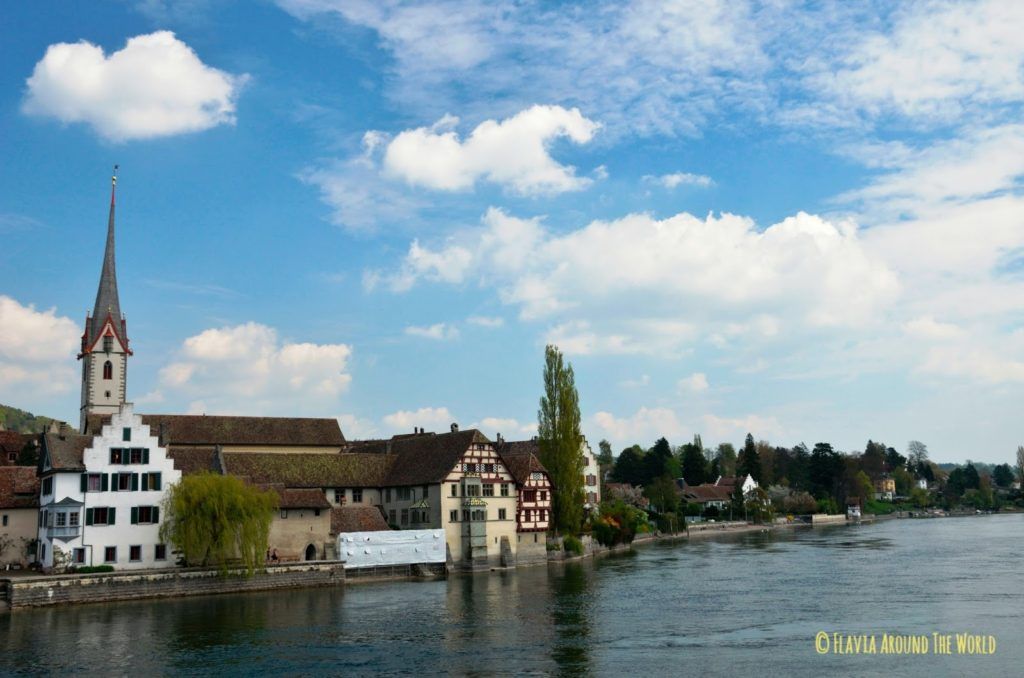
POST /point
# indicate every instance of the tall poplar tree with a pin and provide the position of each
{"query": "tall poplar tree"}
(560, 441)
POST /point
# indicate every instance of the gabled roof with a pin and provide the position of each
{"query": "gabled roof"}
(298, 498)
(521, 459)
(192, 460)
(703, 494)
(19, 487)
(357, 519)
(11, 441)
(308, 470)
(203, 430)
(64, 451)
(429, 457)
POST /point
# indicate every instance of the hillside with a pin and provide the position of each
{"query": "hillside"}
(13, 419)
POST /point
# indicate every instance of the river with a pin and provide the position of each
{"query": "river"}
(742, 605)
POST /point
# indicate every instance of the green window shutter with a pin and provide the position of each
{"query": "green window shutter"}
(111, 455)
(103, 482)
(156, 481)
(145, 456)
(111, 515)
(113, 482)
(135, 515)
(135, 482)
(156, 514)
(145, 482)
(88, 516)
(85, 482)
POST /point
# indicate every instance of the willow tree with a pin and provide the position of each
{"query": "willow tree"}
(213, 520)
(561, 441)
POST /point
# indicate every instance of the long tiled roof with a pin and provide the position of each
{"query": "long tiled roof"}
(65, 451)
(187, 429)
(521, 459)
(19, 487)
(707, 493)
(11, 441)
(309, 469)
(357, 519)
(298, 498)
(191, 460)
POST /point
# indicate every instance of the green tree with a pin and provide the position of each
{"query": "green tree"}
(663, 495)
(560, 440)
(865, 489)
(894, 460)
(748, 462)
(1002, 475)
(694, 464)
(660, 461)
(604, 456)
(629, 466)
(213, 519)
(1020, 466)
(872, 462)
(726, 457)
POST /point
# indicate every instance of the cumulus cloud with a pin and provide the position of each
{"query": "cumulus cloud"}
(509, 428)
(437, 332)
(431, 418)
(511, 153)
(37, 352)
(248, 368)
(646, 424)
(357, 428)
(734, 428)
(155, 86)
(677, 179)
(655, 283)
(486, 321)
(695, 383)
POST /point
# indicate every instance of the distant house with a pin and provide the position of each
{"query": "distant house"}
(591, 478)
(534, 490)
(920, 483)
(885, 488)
(747, 482)
(708, 496)
(19, 512)
(11, 445)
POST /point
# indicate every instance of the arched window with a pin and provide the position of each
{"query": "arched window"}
(108, 370)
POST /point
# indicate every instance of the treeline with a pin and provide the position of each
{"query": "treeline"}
(830, 477)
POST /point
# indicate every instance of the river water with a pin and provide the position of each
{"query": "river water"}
(741, 605)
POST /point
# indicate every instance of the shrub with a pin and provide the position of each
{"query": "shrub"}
(619, 523)
(92, 569)
(572, 545)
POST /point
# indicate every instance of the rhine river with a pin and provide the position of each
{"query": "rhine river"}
(741, 605)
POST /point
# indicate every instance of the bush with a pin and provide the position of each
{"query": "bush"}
(572, 545)
(619, 523)
(553, 546)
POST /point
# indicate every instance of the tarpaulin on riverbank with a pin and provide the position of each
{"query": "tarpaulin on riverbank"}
(391, 547)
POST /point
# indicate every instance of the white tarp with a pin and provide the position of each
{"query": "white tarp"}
(391, 547)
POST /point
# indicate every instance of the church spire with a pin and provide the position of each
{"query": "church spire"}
(107, 302)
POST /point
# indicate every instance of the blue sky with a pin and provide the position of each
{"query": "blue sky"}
(805, 221)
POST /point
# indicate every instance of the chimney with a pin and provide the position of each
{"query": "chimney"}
(500, 439)
(455, 427)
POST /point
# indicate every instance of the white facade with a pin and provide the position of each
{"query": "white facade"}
(110, 514)
(391, 547)
(591, 477)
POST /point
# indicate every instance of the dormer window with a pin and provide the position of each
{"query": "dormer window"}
(108, 370)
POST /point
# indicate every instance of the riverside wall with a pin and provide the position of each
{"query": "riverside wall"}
(40, 591)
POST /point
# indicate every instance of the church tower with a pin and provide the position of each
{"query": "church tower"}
(105, 349)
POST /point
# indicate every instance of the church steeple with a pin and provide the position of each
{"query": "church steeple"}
(107, 302)
(105, 349)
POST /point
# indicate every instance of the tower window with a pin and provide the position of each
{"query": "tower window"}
(108, 344)
(108, 370)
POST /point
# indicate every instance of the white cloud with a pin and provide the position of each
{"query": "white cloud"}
(735, 428)
(512, 153)
(509, 428)
(938, 61)
(928, 328)
(437, 332)
(155, 86)
(247, 368)
(644, 426)
(695, 383)
(431, 418)
(486, 321)
(37, 350)
(643, 381)
(677, 179)
(356, 428)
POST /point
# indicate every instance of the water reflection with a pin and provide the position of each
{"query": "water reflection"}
(570, 614)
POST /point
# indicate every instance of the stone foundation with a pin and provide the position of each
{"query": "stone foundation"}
(89, 588)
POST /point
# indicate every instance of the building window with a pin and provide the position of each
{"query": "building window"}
(455, 489)
(145, 515)
(12, 456)
(527, 516)
(108, 344)
(357, 495)
(124, 482)
(404, 493)
(465, 514)
(126, 434)
(73, 518)
(108, 370)
(106, 394)
(160, 552)
(405, 516)
(118, 455)
(62, 519)
(543, 495)
(134, 553)
(543, 515)
(5, 520)
(387, 495)
(339, 495)
(472, 490)
(504, 489)
(479, 515)
(137, 456)
(110, 554)
(94, 482)
(529, 495)
(501, 514)
(391, 517)
(101, 515)
(151, 481)
(453, 516)
(488, 489)
(284, 513)
(79, 556)
(48, 485)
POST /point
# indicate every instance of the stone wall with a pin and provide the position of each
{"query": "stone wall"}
(88, 588)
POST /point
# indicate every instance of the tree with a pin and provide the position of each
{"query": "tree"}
(694, 465)
(894, 460)
(604, 457)
(660, 461)
(865, 489)
(872, 462)
(1020, 465)
(1002, 475)
(800, 503)
(560, 440)
(213, 519)
(737, 502)
(748, 462)
(663, 495)
(629, 466)
(825, 471)
(726, 457)
(766, 455)
(917, 455)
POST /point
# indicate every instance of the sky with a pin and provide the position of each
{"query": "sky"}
(804, 221)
